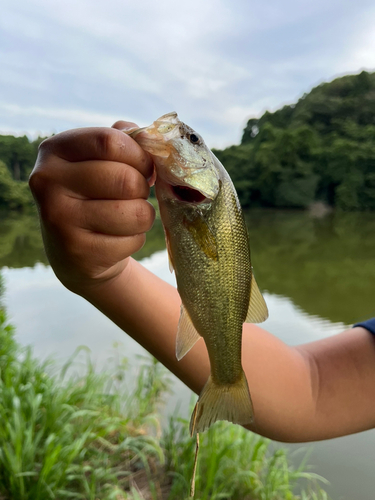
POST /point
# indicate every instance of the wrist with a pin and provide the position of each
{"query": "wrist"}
(106, 284)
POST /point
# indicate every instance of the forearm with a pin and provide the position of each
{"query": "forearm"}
(304, 393)
(148, 309)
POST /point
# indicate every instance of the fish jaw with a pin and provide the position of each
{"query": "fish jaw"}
(180, 155)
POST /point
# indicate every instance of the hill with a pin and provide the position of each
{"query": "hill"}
(321, 148)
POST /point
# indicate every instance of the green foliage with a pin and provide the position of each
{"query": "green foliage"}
(17, 158)
(234, 463)
(238, 162)
(71, 438)
(87, 437)
(321, 148)
(13, 194)
(19, 155)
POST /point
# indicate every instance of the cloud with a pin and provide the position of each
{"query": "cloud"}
(75, 116)
(81, 62)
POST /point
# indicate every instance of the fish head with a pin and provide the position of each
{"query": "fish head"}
(182, 159)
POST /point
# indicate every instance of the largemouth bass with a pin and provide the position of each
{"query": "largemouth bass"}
(208, 249)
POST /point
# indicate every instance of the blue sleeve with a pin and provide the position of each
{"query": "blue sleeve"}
(368, 324)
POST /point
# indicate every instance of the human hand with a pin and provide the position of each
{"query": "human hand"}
(91, 187)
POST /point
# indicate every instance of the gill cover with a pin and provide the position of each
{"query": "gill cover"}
(178, 159)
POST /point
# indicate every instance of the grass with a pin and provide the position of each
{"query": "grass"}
(75, 438)
(235, 464)
(86, 437)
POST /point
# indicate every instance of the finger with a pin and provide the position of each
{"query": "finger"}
(98, 144)
(105, 181)
(109, 250)
(122, 125)
(117, 218)
(152, 179)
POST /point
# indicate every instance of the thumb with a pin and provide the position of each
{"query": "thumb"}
(121, 125)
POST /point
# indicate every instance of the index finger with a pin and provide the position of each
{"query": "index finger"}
(96, 143)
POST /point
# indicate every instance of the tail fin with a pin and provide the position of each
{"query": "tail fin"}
(222, 402)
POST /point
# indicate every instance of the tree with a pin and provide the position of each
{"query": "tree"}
(13, 194)
(19, 155)
(321, 148)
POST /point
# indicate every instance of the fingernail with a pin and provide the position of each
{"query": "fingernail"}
(129, 130)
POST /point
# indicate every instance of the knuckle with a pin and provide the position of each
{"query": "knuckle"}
(105, 142)
(145, 163)
(41, 176)
(38, 181)
(130, 184)
(144, 214)
(134, 185)
(34, 181)
(46, 145)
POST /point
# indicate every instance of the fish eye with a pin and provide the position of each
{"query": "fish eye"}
(194, 138)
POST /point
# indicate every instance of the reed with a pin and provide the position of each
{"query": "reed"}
(71, 436)
(76, 437)
(235, 464)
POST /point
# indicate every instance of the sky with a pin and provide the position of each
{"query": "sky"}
(83, 63)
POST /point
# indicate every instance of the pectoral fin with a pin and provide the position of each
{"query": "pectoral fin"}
(203, 235)
(168, 245)
(187, 335)
(257, 311)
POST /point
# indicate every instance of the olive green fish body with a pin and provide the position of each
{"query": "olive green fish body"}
(211, 258)
(208, 249)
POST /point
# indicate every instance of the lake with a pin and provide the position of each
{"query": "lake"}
(317, 275)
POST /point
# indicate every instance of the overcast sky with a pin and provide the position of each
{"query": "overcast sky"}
(77, 63)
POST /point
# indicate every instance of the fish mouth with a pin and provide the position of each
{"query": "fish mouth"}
(188, 194)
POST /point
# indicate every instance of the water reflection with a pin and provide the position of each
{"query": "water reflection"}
(20, 241)
(325, 266)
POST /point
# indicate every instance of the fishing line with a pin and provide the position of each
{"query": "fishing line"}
(192, 486)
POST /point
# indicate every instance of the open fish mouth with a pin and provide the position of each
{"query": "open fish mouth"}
(188, 194)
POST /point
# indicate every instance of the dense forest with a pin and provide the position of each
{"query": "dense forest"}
(320, 149)
(17, 158)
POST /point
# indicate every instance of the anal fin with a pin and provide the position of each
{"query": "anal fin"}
(257, 311)
(187, 335)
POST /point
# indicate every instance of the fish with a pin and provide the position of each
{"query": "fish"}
(209, 251)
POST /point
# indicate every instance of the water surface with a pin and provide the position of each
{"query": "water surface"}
(317, 275)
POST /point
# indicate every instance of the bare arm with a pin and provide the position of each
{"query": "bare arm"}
(315, 391)
(91, 189)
